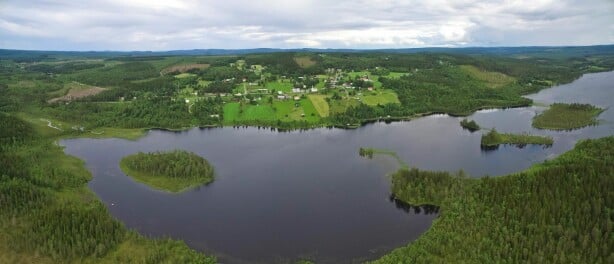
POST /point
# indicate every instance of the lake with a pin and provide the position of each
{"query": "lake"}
(284, 196)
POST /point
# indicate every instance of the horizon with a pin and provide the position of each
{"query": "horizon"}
(112, 25)
(307, 49)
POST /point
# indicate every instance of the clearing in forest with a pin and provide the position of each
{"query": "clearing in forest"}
(320, 104)
(304, 61)
(184, 68)
(76, 91)
(491, 79)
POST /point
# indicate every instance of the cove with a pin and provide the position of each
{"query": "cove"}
(284, 196)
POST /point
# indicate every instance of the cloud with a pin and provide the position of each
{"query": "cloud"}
(189, 24)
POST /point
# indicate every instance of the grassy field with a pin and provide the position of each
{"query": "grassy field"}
(184, 75)
(280, 110)
(320, 104)
(286, 111)
(339, 106)
(492, 79)
(232, 112)
(285, 86)
(494, 138)
(567, 116)
(396, 75)
(379, 98)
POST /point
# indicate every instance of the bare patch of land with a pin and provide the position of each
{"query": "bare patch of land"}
(76, 91)
(490, 78)
(304, 62)
(184, 68)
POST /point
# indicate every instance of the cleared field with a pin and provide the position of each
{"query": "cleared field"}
(396, 75)
(184, 75)
(287, 111)
(183, 68)
(232, 112)
(76, 91)
(304, 62)
(320, 104)
(285, 87)
(339, 106)
(381, 98)
(281, 110)
(492, 79)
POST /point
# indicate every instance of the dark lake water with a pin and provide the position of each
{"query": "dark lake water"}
(279, 197)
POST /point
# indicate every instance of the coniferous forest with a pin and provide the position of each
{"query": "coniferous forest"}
(172, 171)
(560, 211)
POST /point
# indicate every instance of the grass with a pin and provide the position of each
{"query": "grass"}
(567, 116)
(491, 79)
(287, 111)
(320, 104)
(380, 98)
(339, 106)
(184, 75)
(494, 138)
(396, 75)
(233, 114)
(284, 111)
(40, 124)
(285, 86)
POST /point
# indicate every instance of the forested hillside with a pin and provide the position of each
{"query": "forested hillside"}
(561, 211)
(47, 214)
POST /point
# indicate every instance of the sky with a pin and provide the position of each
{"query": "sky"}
(360, 24)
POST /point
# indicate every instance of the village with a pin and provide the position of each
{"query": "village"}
(291, 98)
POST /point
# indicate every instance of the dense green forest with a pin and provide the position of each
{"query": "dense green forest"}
(494, 138)
(560, 211)
(47, 214)
(171, 171)
(567, 116)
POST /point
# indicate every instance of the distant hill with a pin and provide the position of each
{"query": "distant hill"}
(535, 51)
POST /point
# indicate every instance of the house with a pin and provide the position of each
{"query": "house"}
(281, 97)
(314, 90)
(280, 92)
(296, 90)
(238, 94)
(370, 88)
(187, 101)
(296, 98)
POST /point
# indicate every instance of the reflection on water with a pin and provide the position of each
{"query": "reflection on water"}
(283, 196)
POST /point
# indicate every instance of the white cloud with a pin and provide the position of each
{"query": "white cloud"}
(188, 24)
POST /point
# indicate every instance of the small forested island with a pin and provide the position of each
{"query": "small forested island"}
(169, 171)
(470, 125)
(567, 116)
(494, 138)
(531, 216)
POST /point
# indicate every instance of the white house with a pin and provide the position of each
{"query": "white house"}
(296, 90)
(314, 90)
